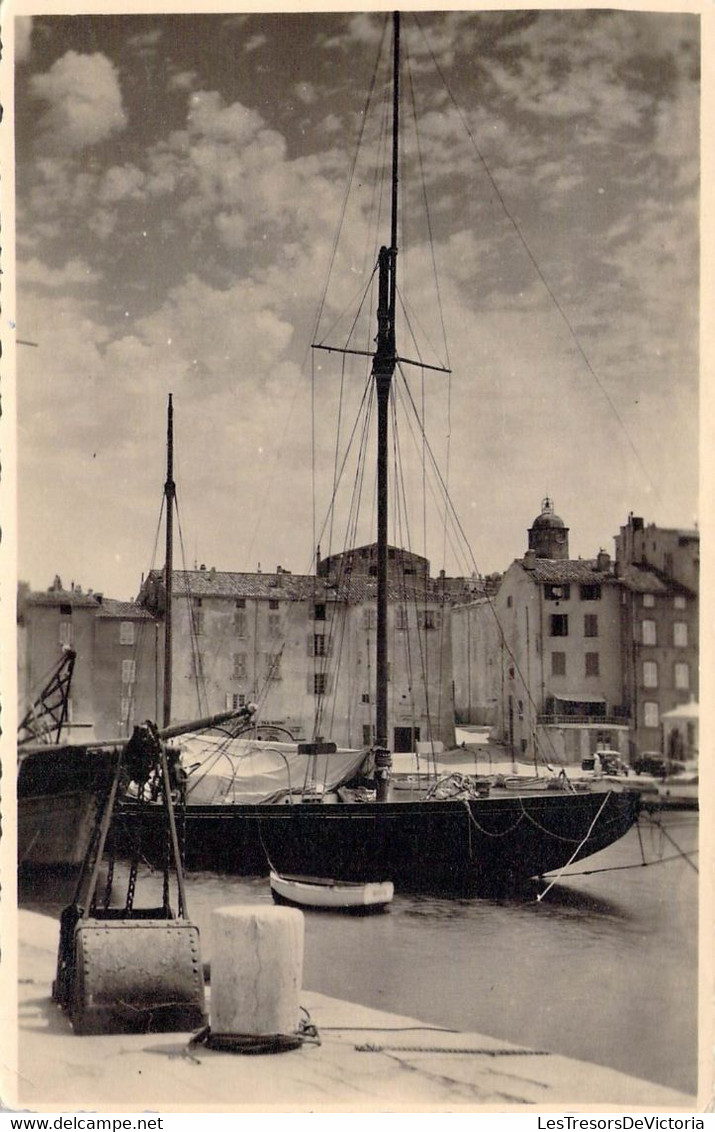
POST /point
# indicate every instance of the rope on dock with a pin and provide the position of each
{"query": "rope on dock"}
(369, 1047)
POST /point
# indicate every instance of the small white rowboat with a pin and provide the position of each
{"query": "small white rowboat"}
(344, 896)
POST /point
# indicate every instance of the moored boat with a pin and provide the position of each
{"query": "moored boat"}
(335, 819)
(331, 895)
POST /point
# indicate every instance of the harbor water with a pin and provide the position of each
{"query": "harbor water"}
(603, 968)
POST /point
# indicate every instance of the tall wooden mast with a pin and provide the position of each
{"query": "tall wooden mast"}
(170, 496)
(383, 369)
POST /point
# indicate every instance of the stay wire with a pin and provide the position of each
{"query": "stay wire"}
(535, 264)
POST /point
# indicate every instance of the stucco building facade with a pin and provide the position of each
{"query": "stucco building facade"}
(115, 682)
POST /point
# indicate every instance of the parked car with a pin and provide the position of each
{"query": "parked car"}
(650, 762)
(611, 763)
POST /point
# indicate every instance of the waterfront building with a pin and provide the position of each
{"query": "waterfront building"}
(476, 643)
(658, 571)
(302, 647)
(115, 678)
(558, 683)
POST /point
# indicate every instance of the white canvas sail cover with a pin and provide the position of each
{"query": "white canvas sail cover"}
(229, 771)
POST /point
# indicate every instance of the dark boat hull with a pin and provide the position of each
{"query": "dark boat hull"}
(60, 791)
(483, 844)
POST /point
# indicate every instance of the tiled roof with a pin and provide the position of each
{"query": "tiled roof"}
(62, 597)
(581, 570)
(648, 580)
(290, 587)
(111, 607)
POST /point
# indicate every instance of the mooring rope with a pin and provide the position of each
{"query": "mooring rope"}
(576, 851)
(306, 1034)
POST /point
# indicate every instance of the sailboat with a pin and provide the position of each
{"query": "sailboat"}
(483, 836)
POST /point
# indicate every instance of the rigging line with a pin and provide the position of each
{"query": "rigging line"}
(673, 842)
(428, 213)
(401, 506)
(576, 851)
(363, 123)
(196, 653)
(363, 292)
(422, 639)
(512, 220)
(460, 558)
(490, 603)
(366, 396)
(352, 520)
(369, 288)
(620, 868)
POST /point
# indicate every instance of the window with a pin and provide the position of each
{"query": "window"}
(557, 593)
(273, 604)
(240, 603)
(65, 611)
(366, 697)
(648, 601)
(648, 634)
(559, 625)
(682, 676)
(650, 674)
(590, 592)
(126, 709)
(126, 633)
(234, 701)
(198, 621)
(320, 683)
(509, 602)
(668, 563)
(129, 671)
(274, 624)
(400, 617)
(678, 602)
(198, 602)
(558, 664)
(273, 665)
(367, 734)
(592, 664)
(319, 648)
(427, 619)
(319, 613)
(239, 666)
(66, 633)
(651, 715)
(239, 623)
(369, 618)
(680, 634)
(590, 625)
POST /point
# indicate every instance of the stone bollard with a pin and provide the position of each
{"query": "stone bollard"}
(256, 970)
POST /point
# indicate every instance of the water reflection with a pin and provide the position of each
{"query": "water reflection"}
(603, 968)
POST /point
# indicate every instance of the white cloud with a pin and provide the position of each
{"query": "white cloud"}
(182, 80)
(23, 37)
(306, 93)
(85, 102)
(121, 182)
(76, 272)
(254, 42)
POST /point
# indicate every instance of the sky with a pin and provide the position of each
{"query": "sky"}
(191, 190)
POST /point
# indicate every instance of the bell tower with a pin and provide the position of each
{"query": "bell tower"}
(548, 536)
